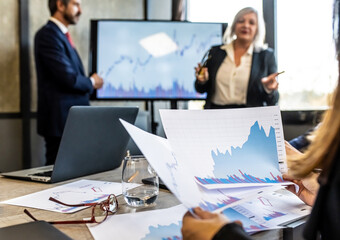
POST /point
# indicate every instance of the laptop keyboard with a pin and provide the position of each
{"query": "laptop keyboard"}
(43, 174)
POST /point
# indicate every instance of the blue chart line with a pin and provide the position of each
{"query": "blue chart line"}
(167, 232)
(135, 63)
(258, 155)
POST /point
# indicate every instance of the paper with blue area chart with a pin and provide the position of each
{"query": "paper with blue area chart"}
(149, 225)
(228, 148)
(178, 177)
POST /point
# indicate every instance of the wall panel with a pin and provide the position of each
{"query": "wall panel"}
(9, 57)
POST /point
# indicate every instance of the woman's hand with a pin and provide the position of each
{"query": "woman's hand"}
(201, 73)
(203, 228)
(306, 188)
(270, 83)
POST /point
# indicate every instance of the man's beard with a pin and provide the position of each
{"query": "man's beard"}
(71, 19)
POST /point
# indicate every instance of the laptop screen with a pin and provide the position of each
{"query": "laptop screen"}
(93, 141)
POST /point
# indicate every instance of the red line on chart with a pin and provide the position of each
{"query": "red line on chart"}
(96, 189)
(264, 201)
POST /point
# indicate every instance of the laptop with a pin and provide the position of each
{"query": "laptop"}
(93, 141)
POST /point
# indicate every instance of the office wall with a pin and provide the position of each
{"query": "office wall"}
(9, 57)
(10, 144)
(10, 129)
(159, 9)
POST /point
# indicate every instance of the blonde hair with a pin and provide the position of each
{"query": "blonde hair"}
(325, 145)
(258, 41)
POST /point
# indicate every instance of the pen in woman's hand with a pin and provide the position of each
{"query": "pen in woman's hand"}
(280, 73)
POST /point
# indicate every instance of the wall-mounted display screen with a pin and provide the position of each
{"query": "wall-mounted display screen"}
(150, 59)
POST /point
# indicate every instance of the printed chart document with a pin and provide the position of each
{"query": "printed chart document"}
(155, 224)
(228, 148)
(273, 208)
(82, 191)
(179, 179)
(224, 161)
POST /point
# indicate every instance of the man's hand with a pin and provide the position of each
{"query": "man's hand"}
(98, 81)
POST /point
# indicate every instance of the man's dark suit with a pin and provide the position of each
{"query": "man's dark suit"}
(61, 79)
(61, 82)
(263, 64)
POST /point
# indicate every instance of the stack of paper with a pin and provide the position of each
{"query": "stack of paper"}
(228, 161)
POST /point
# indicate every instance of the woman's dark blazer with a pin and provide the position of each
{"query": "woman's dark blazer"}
(263, 64)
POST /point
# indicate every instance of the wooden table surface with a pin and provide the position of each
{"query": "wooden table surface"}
(12, 215)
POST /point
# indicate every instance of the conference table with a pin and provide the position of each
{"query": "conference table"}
(12, 215)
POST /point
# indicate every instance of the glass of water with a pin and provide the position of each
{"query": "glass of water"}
(139, 182)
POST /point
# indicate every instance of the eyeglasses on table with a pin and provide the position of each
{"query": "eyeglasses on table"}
(100, 210)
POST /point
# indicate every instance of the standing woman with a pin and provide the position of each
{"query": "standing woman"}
(241, 73)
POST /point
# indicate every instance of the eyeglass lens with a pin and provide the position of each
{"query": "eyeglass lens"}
(112, 204)
(101, 210)
(99, 213)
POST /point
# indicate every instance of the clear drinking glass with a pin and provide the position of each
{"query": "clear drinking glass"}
(139, 182)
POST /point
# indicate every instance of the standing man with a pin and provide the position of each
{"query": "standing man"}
(62, 82)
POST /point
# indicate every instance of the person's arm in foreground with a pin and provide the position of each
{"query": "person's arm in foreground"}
(306, 189)
(210, 226)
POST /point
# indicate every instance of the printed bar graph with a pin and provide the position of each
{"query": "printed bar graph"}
(246, 178)
(250, 223)
(273, 215)
(209, 206)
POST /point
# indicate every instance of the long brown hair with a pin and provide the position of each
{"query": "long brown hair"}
(326, 143)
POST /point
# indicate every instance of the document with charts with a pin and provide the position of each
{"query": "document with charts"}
(180, 180)
(198, 141)
(224, 161)
(228, 148)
